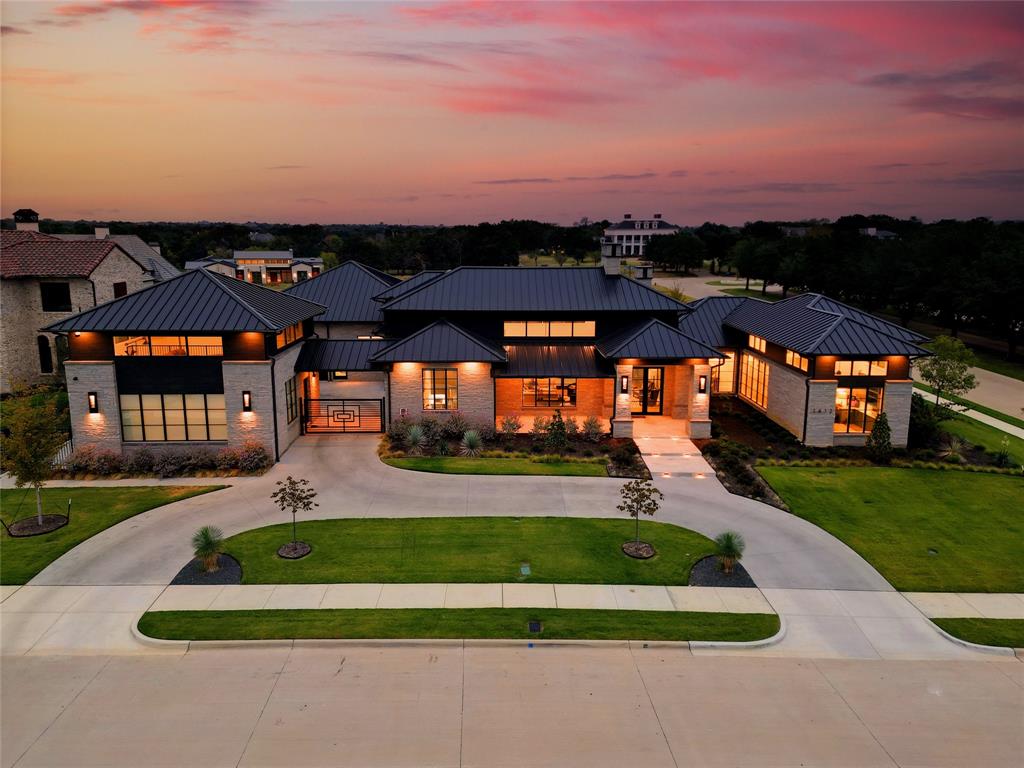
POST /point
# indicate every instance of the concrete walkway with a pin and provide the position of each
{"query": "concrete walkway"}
(968, 605)
(984, 418)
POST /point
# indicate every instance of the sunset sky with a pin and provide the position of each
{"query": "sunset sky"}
(460, 112)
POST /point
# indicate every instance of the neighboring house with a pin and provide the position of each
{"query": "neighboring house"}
(137, 248)
(634, 234)
(46, 277)
(262, 267)
(354, 348)
(878, 234)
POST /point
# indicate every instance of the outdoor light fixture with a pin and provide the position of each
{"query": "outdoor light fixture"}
(624, 384)
(247, 401)
(702, 384)
(94, 403)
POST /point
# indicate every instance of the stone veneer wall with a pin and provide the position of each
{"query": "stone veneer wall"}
(101, 429)
(699, 411)
(821, 413)
(284, 369)
(896, 404)
(258, 425)
(787, 394)
(476, 390)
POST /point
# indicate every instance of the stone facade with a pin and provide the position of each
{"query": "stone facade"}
(821, 413)
(284, 370)
(102, 429)
(896, 405)
(787, 396)
(699, 410)
(257, 425)
(476, 391)
(622, 420)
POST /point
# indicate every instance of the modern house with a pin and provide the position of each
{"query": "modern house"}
(262, 267)
(634, 234)
(48, 277)
(354, 348)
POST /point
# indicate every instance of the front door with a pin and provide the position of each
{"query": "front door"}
(645, 393)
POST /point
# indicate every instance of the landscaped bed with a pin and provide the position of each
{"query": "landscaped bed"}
(457, 623)
(924, 530)
(469, 549)
(1001, 632)
(92, 510)
(457, 465)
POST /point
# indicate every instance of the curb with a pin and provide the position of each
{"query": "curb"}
(994, 650)
(154, 642)
(701, 645)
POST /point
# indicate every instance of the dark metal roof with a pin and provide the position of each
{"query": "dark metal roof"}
(533, 289)
(347, 291)
(704, 322)
(441, 342)
(403, 287)
(654, 340)
(338, 355)
(579, 361)
(812, 324)
(197, 301)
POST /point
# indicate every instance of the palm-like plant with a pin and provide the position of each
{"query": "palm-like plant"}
(471, 443)
(415, 438)
(729, 547)
(206, 543)
(952, 448)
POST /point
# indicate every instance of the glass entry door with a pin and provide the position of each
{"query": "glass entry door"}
(645, 393)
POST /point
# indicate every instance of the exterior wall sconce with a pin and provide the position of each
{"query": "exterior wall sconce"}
(624, 385)
(94, 403)
(247, 401)
(702, 384)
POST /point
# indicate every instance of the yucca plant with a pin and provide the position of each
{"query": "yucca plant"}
(206, 544)
(952, 448)
(472, 444)
(415, 438)
(729, 548)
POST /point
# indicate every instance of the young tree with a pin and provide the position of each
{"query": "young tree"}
(640, 497)
(880, 440)
(946, 371)
(292, 496)
(557, 440)
(29, 449)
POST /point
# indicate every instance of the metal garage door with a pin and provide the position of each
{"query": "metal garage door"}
(327, 416)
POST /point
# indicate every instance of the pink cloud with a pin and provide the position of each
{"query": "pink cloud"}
(536, 101)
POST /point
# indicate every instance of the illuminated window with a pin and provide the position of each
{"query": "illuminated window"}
(796, 360)
(549, 393)
(861, 368)
(754, 380)
(173, 417)
(756, 342)
(515, 328)
(440, 389)
(550, 329)
(857, 408)
(289, 335)
(168, 346)
(723, 377)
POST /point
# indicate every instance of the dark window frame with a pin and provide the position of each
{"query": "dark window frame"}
(549, 401)
(291, 398)
(163, 417)
(49, 286)
(430, 403)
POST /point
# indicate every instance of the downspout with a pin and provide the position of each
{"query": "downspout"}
(807, 403)
(387, 377)
(273, 404)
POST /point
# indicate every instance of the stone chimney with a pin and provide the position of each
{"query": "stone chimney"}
(611, 257)
(102, 233)
(26, 220)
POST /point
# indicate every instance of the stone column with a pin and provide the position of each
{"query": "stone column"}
(700, 402)
(622, 419)
(821, 413)
(896, 405)
(103, 428)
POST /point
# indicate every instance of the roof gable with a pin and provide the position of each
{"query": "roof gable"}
(198, 301)
(347, 292)
(441, 342)
(654, 340)
(704, 321)
(51, 257)
(141, 252)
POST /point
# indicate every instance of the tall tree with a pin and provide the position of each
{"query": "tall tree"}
(947, 371)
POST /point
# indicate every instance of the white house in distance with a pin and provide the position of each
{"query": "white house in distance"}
(262, 267)
(634, 234)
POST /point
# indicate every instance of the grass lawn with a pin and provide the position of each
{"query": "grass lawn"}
(1008, 418)
(460, 465)
(468, 549)
(1004, 632)
(893, 517)
(92, 510)
(977, 433)
(457, 623)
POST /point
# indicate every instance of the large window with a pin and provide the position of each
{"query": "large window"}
(168, 418)
(796, 360)
(291, 398)
(756, 342)
(723, 377)
(440, 389)
(861, 367)
(550, 329)
(290, 334)
(549, 393)
(55, 297)
(168, 346)
(754, 380)
(857, 408)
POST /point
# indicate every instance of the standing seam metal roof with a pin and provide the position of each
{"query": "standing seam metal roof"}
(400, 289)
(704, 322)
(441, 342)
(347, 291)
(338, 354)
(654, 340)
(578, 361)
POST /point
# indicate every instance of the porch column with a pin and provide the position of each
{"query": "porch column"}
(700, 402)
(622, 420)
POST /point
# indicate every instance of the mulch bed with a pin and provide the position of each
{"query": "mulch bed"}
(641, 550)
(228, 572)
(706, 573)
(294, 550)
(30, 526)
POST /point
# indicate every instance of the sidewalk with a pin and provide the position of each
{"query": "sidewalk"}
(984, 418)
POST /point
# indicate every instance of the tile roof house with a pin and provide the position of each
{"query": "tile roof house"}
(353, 348)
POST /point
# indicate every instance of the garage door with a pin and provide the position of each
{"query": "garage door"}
(329, 416)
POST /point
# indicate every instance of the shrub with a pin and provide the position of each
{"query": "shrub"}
(253, 456)
(206, 544)
(729, 547)
(169, 464)
(925, 423)
(80, 462)
(139, 462)
(572, 427)
(471, 443)
(444, 448)
(510, 426)
(952, 449)
(107, 463)
(540, 428)
(415, 439)
(227, 459)
(880, 440)
(624, 455)
(556, 441)
(592, 428)
(454, 427)
(431, 430)
(587, 453)
(1002, 456)
(487, 431)
(397, 431)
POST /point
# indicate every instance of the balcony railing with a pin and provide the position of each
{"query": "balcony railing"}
(174, 350)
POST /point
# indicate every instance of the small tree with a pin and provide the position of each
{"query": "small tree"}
(292, 496)
(947, 370)
(640, 497)
(880, 440)
(510, 426)
(29, 449)
(206, 543)
(729, 548)
(557, 440)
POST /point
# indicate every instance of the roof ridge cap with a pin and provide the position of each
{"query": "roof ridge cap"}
(216, 278)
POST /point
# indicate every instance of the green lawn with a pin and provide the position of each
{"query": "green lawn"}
(977, 433)
(460, 465)
(457, 623)
(92, 510)
(893, 517)
(468, 549)
(1008, 418)
(1004, 632)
